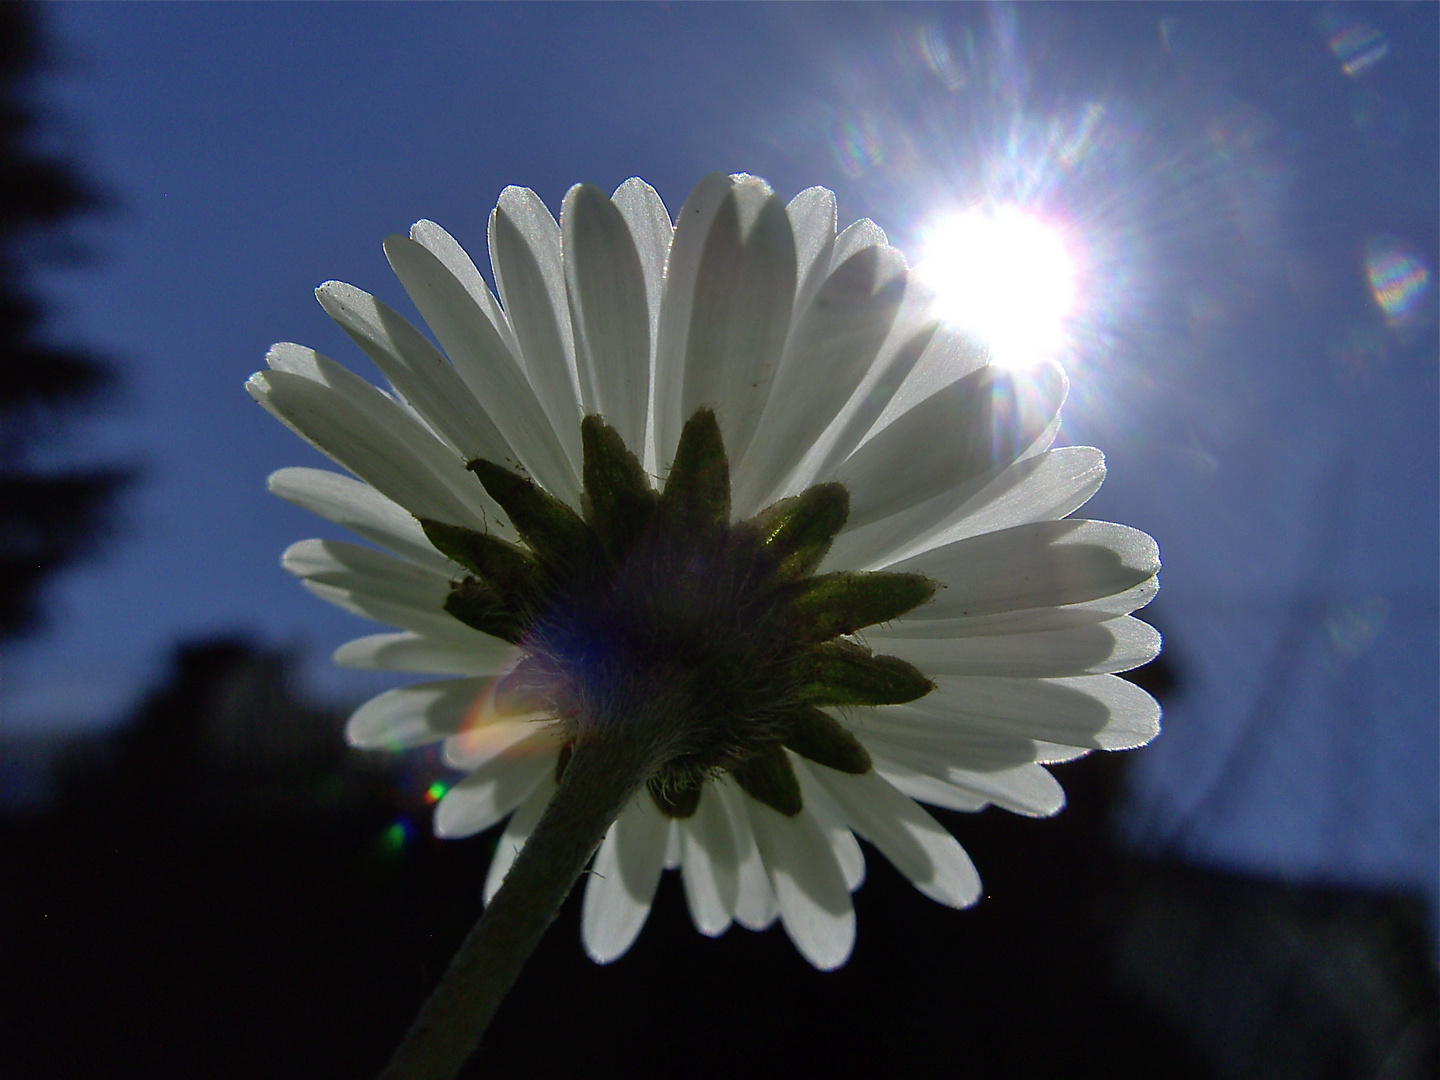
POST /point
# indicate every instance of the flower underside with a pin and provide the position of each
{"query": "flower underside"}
(656, 605)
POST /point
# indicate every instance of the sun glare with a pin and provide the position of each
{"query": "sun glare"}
(1004, 275)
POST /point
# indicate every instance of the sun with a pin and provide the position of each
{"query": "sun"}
(1005, 275)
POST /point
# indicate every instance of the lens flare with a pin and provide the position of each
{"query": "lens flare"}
(1357, 46)
(1004, 275)
(938, 56)
(396, 836)
(1398, 278)
(855, 145)
(1353, 626)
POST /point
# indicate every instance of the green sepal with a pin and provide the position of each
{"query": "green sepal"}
(843, 673)
(697, 491)
(507, 567)
(829, 605)
(820, 737)
(618, 499)
(675, 802)
(768, 778)
(556, 533)
(481, 607)
(798, 531)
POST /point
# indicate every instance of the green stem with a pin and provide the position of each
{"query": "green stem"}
(601, 777)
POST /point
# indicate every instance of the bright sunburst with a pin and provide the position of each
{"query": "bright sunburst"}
(1005, 275)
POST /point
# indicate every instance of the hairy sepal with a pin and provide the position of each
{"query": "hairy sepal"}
(843, 673)
(617, 500)
(767, 777)
(556, 534)
(675, 800)
(481, 607)
(505, 566)
(818, 736)
(829, 605)
(697, 491)
(798, 531)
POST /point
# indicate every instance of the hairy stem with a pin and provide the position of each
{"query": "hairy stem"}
(602, 776)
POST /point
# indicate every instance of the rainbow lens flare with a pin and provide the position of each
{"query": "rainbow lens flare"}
(1399, 280)
(1357, 46)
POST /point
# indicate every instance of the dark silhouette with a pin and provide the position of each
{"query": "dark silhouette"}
(48, 518)
(223, 889)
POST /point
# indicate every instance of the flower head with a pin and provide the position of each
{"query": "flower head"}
(725, 486)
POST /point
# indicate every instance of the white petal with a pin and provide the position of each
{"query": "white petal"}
(377, 441)
(1028, 790)
(729, 331)
(1100, 712)
(744, 296)
(708, 864)
(676, 307)
(650, 228)
(496, 787)
(413, 715)
(395, 420)
(942, 738)
(486, 735)
(490, 370)
(1026, 620)
(857, 237)
(911, 839)
(832, 820)
(359, 507)
(622, 881)
(517, 831)
(929, 789)
(755, 905)
(415, 368)
(363, 569)
(1045, 564)
(815, 906)
(1022, 789)
(483, 655)
(422, 618)
(830, 350)
(812, 221)
(972, 427)
(375, 585)
(1115, 645)
(926, 742)
(953, 354)
(458, 263)
(652, 232)
(1043, 487)
(525, 257)
(609, 310)
(914, 333)
(672, 845)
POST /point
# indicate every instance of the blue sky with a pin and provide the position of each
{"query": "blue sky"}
(1249, 187)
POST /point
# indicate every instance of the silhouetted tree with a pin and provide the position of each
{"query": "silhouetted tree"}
(48, 518)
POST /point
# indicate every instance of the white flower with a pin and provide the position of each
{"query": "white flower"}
(821, 365)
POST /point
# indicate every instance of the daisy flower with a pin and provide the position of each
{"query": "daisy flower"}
(719, 499)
